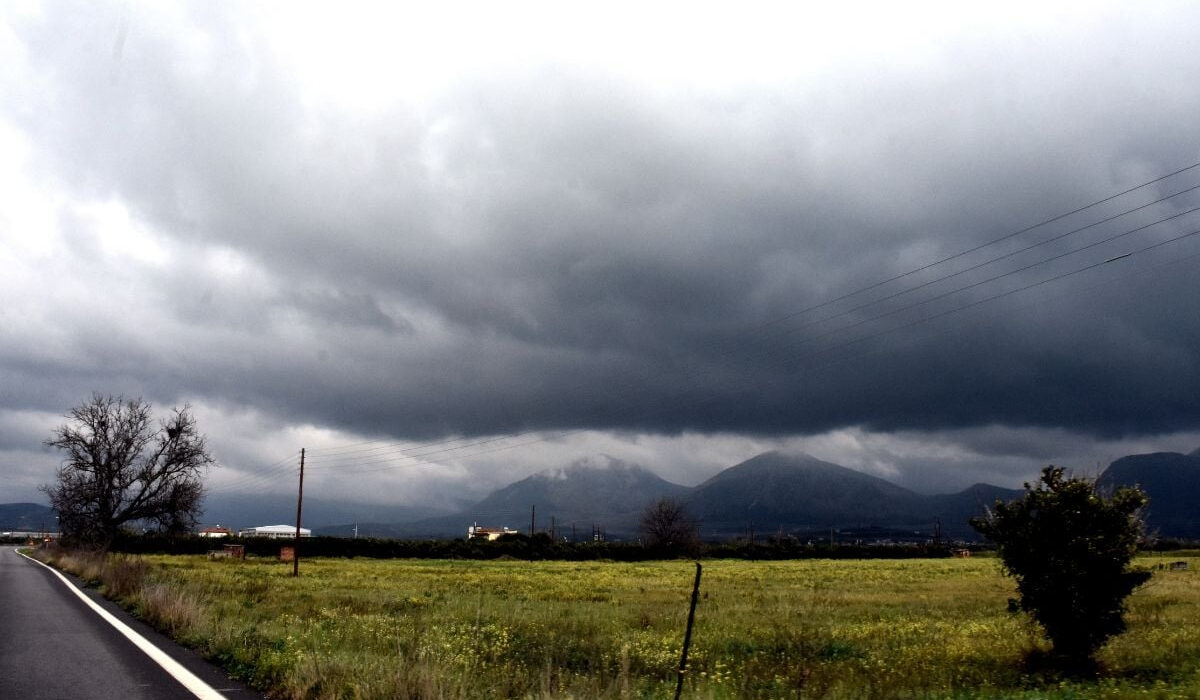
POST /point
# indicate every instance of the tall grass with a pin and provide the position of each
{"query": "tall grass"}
(119, 576)
(496, 629)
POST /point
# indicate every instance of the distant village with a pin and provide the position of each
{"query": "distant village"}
(273, 532)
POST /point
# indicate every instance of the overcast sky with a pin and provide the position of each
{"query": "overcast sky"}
(522, 235)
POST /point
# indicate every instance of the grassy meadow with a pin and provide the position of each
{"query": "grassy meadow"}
(358, 628)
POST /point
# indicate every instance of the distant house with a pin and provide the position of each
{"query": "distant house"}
(217, 531)
(274, 532)
(474, 532)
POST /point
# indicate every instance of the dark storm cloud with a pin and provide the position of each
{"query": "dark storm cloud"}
(562, 247)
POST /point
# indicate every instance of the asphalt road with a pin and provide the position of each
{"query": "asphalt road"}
(52, 645)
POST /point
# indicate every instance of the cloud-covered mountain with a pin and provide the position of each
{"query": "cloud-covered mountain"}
(770, 492)
(594, 490)
(600, 491)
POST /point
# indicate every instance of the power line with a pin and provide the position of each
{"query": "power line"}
(1008, 255)
(385, 453)
(1106, 285)
(376, 445)
(981, 246)
(539, 436)
(989, 280)
(275, 469)
(420, 455)
(840, 358)
(1001, 295)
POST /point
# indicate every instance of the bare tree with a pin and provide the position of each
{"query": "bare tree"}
(665, 523)
(122, 468)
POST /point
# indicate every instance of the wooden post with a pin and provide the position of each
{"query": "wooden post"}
(299, 510)
(687, 635)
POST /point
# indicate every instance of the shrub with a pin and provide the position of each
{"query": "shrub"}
(1069, 548)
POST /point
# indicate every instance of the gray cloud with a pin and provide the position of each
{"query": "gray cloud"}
(560, 244)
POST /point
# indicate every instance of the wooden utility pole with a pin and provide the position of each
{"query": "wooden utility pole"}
(299, 510)
(532, 518)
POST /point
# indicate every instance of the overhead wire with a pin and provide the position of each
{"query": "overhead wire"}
(275, 469)
(407, 454)
(989, 280)
(377, 445)
(1105, 285)
(981, 246)
(378, 452)
(1054, 239)
(840, 358)
(1023, 288)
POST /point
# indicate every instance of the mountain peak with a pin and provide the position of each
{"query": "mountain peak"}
(795, 464)
(599, 488)
(798, 489)
(588, 466)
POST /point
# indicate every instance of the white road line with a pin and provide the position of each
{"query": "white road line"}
(188, 679)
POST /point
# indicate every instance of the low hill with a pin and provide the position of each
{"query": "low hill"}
(26, 517)
(954, 510)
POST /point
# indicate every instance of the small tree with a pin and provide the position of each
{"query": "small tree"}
(121, 468)
(665, 524)
(1069, 548)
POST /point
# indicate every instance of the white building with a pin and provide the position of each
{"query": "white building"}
(474, 532)
(275, 532)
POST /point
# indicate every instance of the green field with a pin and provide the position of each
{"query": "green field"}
(491, 629)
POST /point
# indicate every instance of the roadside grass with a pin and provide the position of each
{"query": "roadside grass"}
(498, 629)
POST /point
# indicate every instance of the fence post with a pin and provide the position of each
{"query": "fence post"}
(687, 635)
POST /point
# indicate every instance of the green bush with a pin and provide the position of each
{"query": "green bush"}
(1069, 548)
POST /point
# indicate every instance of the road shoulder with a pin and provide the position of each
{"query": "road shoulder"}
(207, 672)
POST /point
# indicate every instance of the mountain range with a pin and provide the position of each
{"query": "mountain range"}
(27, 517)
(776, 491)
(794, 493)
(769, 493)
